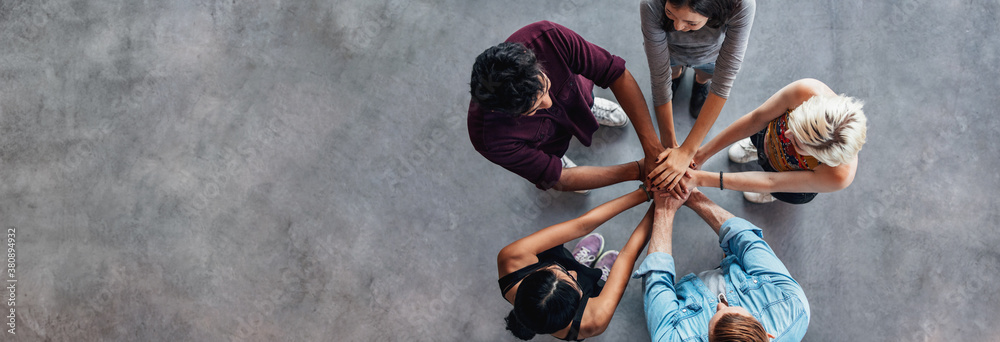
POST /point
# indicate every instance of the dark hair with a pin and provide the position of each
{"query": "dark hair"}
(732, 327)
(718, 12)
(505, 79)
(544, 304)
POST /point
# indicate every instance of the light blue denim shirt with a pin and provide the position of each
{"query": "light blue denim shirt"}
(755, 280)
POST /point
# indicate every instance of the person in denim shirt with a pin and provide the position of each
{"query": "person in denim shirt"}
(750, 297)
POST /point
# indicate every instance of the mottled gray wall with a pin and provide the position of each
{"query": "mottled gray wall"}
(301, 171)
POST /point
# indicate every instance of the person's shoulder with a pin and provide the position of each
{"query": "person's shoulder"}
(651, 8)
(742, 13)
(541, 27)
(745, 5)
(653, 3)
(790, 319)
(804, 89)
(541, 33)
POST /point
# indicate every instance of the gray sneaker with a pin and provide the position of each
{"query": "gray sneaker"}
(608, 113)
(587, 250)
(605, 262)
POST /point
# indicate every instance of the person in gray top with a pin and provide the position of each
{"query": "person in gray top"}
(709, 36)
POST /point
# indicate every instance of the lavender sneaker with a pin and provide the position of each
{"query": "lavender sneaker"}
(589, 247)
(605, 262)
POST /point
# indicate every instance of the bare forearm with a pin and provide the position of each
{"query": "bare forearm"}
(629, 96)
(766, 182)
(592, 177)
(665, 121)
(597, 216)
(663, 231)
(636, 242)
(709, 113)
(620, 271)
(604, 305)
(739, 129)
(712, 213)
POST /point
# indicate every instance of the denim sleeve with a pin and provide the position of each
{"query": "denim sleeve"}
(659, 296)
(741, 238)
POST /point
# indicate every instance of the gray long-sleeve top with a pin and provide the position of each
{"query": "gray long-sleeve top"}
(724, 45)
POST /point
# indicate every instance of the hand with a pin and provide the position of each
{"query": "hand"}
(694, 196)
(641, 163)
(673, 164)
(648, 164)
(698, 159)
(664, 199)
(686, 185)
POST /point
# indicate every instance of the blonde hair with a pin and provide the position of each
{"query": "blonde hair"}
(831, 128)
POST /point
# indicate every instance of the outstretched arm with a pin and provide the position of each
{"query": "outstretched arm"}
(823, 179)
(524, 252)
(663, 221)
(656, 45)
(657, 270)
(712, 213)
(790, 96)
(599, 311)
(657, 223)
(630, 97)
(592, 177)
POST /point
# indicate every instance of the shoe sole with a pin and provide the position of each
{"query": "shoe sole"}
(757, 202)
(612, 125)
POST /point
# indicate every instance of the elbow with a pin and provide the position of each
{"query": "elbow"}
(600, 330)
(507, 254)
(807, 83)
(838, 182)
(503, 254)
(843, 182)
(844, 177)
(622, 82)
(595, 328)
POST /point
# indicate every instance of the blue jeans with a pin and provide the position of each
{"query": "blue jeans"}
(708, 68)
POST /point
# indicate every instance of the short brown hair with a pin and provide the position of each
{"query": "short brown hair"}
(737, 328)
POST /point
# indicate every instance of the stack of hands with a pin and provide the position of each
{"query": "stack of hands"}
(670, 171)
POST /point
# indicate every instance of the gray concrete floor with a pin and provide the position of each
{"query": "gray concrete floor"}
(301, 170)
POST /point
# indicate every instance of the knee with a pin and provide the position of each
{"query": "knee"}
(701, 76)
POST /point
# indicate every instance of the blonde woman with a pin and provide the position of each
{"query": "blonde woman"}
(805, 137)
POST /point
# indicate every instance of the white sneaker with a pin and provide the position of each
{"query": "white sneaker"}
(566, 163)
(743, 151)
(608, 113)
(757, 197)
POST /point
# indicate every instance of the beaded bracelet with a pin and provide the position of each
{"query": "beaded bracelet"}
(649, 195)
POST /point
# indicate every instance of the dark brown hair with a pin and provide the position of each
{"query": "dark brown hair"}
(718, 12)
(732, 327)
